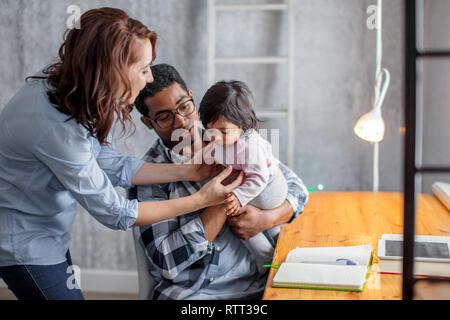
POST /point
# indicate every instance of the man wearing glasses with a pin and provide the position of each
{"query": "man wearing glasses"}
(199, 255)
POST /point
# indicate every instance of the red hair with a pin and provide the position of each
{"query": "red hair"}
(93, 68)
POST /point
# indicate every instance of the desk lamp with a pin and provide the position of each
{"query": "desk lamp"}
(370, 126)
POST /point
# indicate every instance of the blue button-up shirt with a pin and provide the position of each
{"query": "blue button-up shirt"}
(47, 165)
(183, 263)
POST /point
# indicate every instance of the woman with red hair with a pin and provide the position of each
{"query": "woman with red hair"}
(56, 150)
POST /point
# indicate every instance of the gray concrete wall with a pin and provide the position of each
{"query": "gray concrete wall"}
(436, 92)
(334, 75)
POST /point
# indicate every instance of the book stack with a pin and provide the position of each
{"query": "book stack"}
(431, 255)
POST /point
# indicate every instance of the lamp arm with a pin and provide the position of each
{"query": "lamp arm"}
(379, 102)
(379, 48)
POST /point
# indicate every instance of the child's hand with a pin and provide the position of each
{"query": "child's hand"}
(233, 205)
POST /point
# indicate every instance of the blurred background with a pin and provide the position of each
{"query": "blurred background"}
(334, 56)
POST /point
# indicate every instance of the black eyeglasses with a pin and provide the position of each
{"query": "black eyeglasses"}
(166, 118)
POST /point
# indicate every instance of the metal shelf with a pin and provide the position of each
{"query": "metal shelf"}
(433, 54)
(432, 169)
(410, 169)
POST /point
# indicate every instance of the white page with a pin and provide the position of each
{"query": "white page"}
(331, 255)
(320, 275)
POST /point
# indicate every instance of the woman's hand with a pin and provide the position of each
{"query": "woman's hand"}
(214, 192)
(200, 172)
(201, 166)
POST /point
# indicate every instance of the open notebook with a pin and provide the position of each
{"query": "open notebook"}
(333, 268)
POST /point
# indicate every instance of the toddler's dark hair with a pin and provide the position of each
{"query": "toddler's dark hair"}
(231, 100)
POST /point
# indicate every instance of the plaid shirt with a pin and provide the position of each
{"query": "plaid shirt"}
(183, 263)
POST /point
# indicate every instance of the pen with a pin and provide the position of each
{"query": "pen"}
(271, 265)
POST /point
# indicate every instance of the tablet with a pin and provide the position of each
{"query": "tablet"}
(426, 248)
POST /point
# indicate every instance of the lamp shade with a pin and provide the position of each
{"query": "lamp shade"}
(370, 127)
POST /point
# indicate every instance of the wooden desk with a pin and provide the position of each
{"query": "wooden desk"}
(353, 218)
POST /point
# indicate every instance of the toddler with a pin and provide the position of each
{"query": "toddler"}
(227, 114)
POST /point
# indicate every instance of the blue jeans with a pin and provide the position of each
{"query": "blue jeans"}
(34, 282)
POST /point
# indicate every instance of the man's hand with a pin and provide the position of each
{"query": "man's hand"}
(252, 220)
(249, 222)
